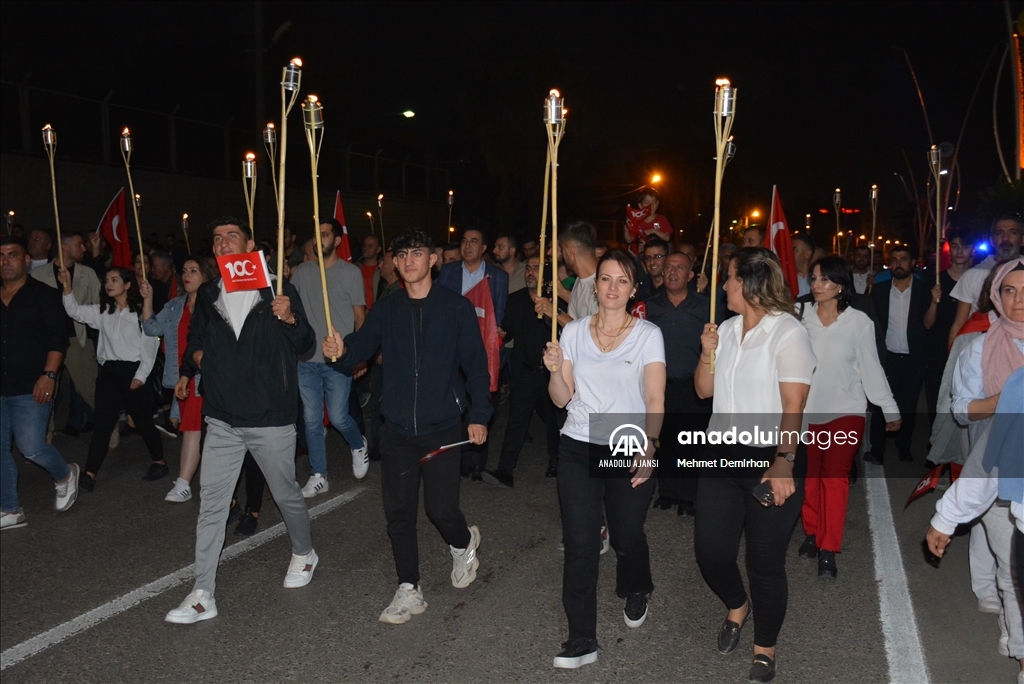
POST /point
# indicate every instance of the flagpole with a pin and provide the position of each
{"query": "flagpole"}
(935, 162)
(249, 188)
(184, 229)
(725, 112)
(50, 143)
(126, 154)
(544, 233)
(291, 77)
(874, 218)
(313, 121)
(554, 124)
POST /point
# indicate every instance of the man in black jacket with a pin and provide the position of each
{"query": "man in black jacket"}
(905, 310)
(426, 336)
(245, 343)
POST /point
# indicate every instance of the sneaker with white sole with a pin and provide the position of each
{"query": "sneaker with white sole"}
(361, 460)
(408, 601)
(576, 653)
(197, 606)
(990, 604)
(180, 493)
(9, 521)
(67, 491)
(300, 570)
(465, 562)
(635, 611)
(316, 484)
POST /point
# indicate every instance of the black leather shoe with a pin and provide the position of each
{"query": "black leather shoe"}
(156, 471)
(809, 548)
(498, 478)
(827, 565)
(663, 502)
(686, 509)
(247, 525)
(762, 669)
(476, 476)
(729, 635)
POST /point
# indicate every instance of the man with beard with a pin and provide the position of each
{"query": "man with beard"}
(318, 384)
(905, 311)
(862, 275)
(1006, 239)
(528, 389)
(506, 255)
(577, 247)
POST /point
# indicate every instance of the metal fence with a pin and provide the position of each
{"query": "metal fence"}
(89, 131)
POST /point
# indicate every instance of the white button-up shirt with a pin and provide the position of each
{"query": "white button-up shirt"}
(748, 370)
(899, 317)
(121, 337)
(471, 279)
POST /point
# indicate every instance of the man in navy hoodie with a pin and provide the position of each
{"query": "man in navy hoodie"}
(426, 336)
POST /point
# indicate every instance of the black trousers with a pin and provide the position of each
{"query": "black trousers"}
(114, 392)
(583, 497)
(905, 374)
(400, 485)
(528, 394)
(684, 410)
(725, 512)
(474, 456)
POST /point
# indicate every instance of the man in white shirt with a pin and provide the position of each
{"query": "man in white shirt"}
(1006, 240)
(577, 246)
(317, 382)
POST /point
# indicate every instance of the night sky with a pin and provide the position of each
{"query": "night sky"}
(825, 97)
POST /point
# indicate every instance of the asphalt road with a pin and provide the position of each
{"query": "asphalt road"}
(507, 626)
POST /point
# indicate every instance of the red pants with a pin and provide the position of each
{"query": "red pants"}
(828, 480)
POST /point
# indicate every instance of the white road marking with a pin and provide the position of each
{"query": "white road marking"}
(62, 632)
(899, 626)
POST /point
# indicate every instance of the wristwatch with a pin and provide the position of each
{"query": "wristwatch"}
(788, 455)
(50, 374)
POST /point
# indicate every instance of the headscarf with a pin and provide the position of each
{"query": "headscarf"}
(1000, 356)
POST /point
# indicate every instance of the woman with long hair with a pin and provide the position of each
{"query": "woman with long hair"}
(848, 375)
(126, 358)
(172, 324)
(608, 370)
(763, 367)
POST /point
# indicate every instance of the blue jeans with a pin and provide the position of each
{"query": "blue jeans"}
(317, 382)
(25, 420)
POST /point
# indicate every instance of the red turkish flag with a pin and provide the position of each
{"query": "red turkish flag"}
(634, 224)
(776, 238)
(639, 310)
(246, 271)
(114, 229)
(480, 297)
(344, 249)
(931, 480)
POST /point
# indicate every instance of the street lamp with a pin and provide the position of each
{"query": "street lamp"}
(408, 113)
(656, 178)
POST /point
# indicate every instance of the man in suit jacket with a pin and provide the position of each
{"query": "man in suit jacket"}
(463, 276)
(905, 310)
(80, 360)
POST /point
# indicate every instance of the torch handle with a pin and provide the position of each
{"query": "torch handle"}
(544, 230)
(50, 151)
(314, 160)
(553, 147)
(135, 211)
(938, 225)
(280, 191)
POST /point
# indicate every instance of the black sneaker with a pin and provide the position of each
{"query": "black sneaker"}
(156, 471)
(686, 509)
(498, 478)
(809, 549)
(635, 611)
(576, 653)
(247, 525)
(827, 565)
(167, 427)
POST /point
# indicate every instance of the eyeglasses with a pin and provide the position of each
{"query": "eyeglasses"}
(653, 257)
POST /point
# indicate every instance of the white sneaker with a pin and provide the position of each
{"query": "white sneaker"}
(408, 601)
(180, 493)
(361, 460)
(9, 521)
(316, 484)
(300, 570)
(197, 606)
(67, 491)
(990, 604)
(465, 562)
(115, 439)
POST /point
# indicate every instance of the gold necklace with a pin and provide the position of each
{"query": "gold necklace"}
(597, 327)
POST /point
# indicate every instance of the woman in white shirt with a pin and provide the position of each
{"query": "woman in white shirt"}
(126, 358)
(608, 370)
(848, 375)
(763, 367)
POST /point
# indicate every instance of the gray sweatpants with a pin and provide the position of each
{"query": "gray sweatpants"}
(225, 447)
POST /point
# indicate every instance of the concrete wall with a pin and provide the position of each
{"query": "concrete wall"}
(85, 190)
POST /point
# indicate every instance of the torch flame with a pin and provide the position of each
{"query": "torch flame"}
(125, 132)
(296, 62)
(380, 197)
(270, 125)
(249, 156)
(722, 82)
(369, 214)
(451, 192)
(184, 217)
(554, 93)
(312, 99)
(47, 127)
